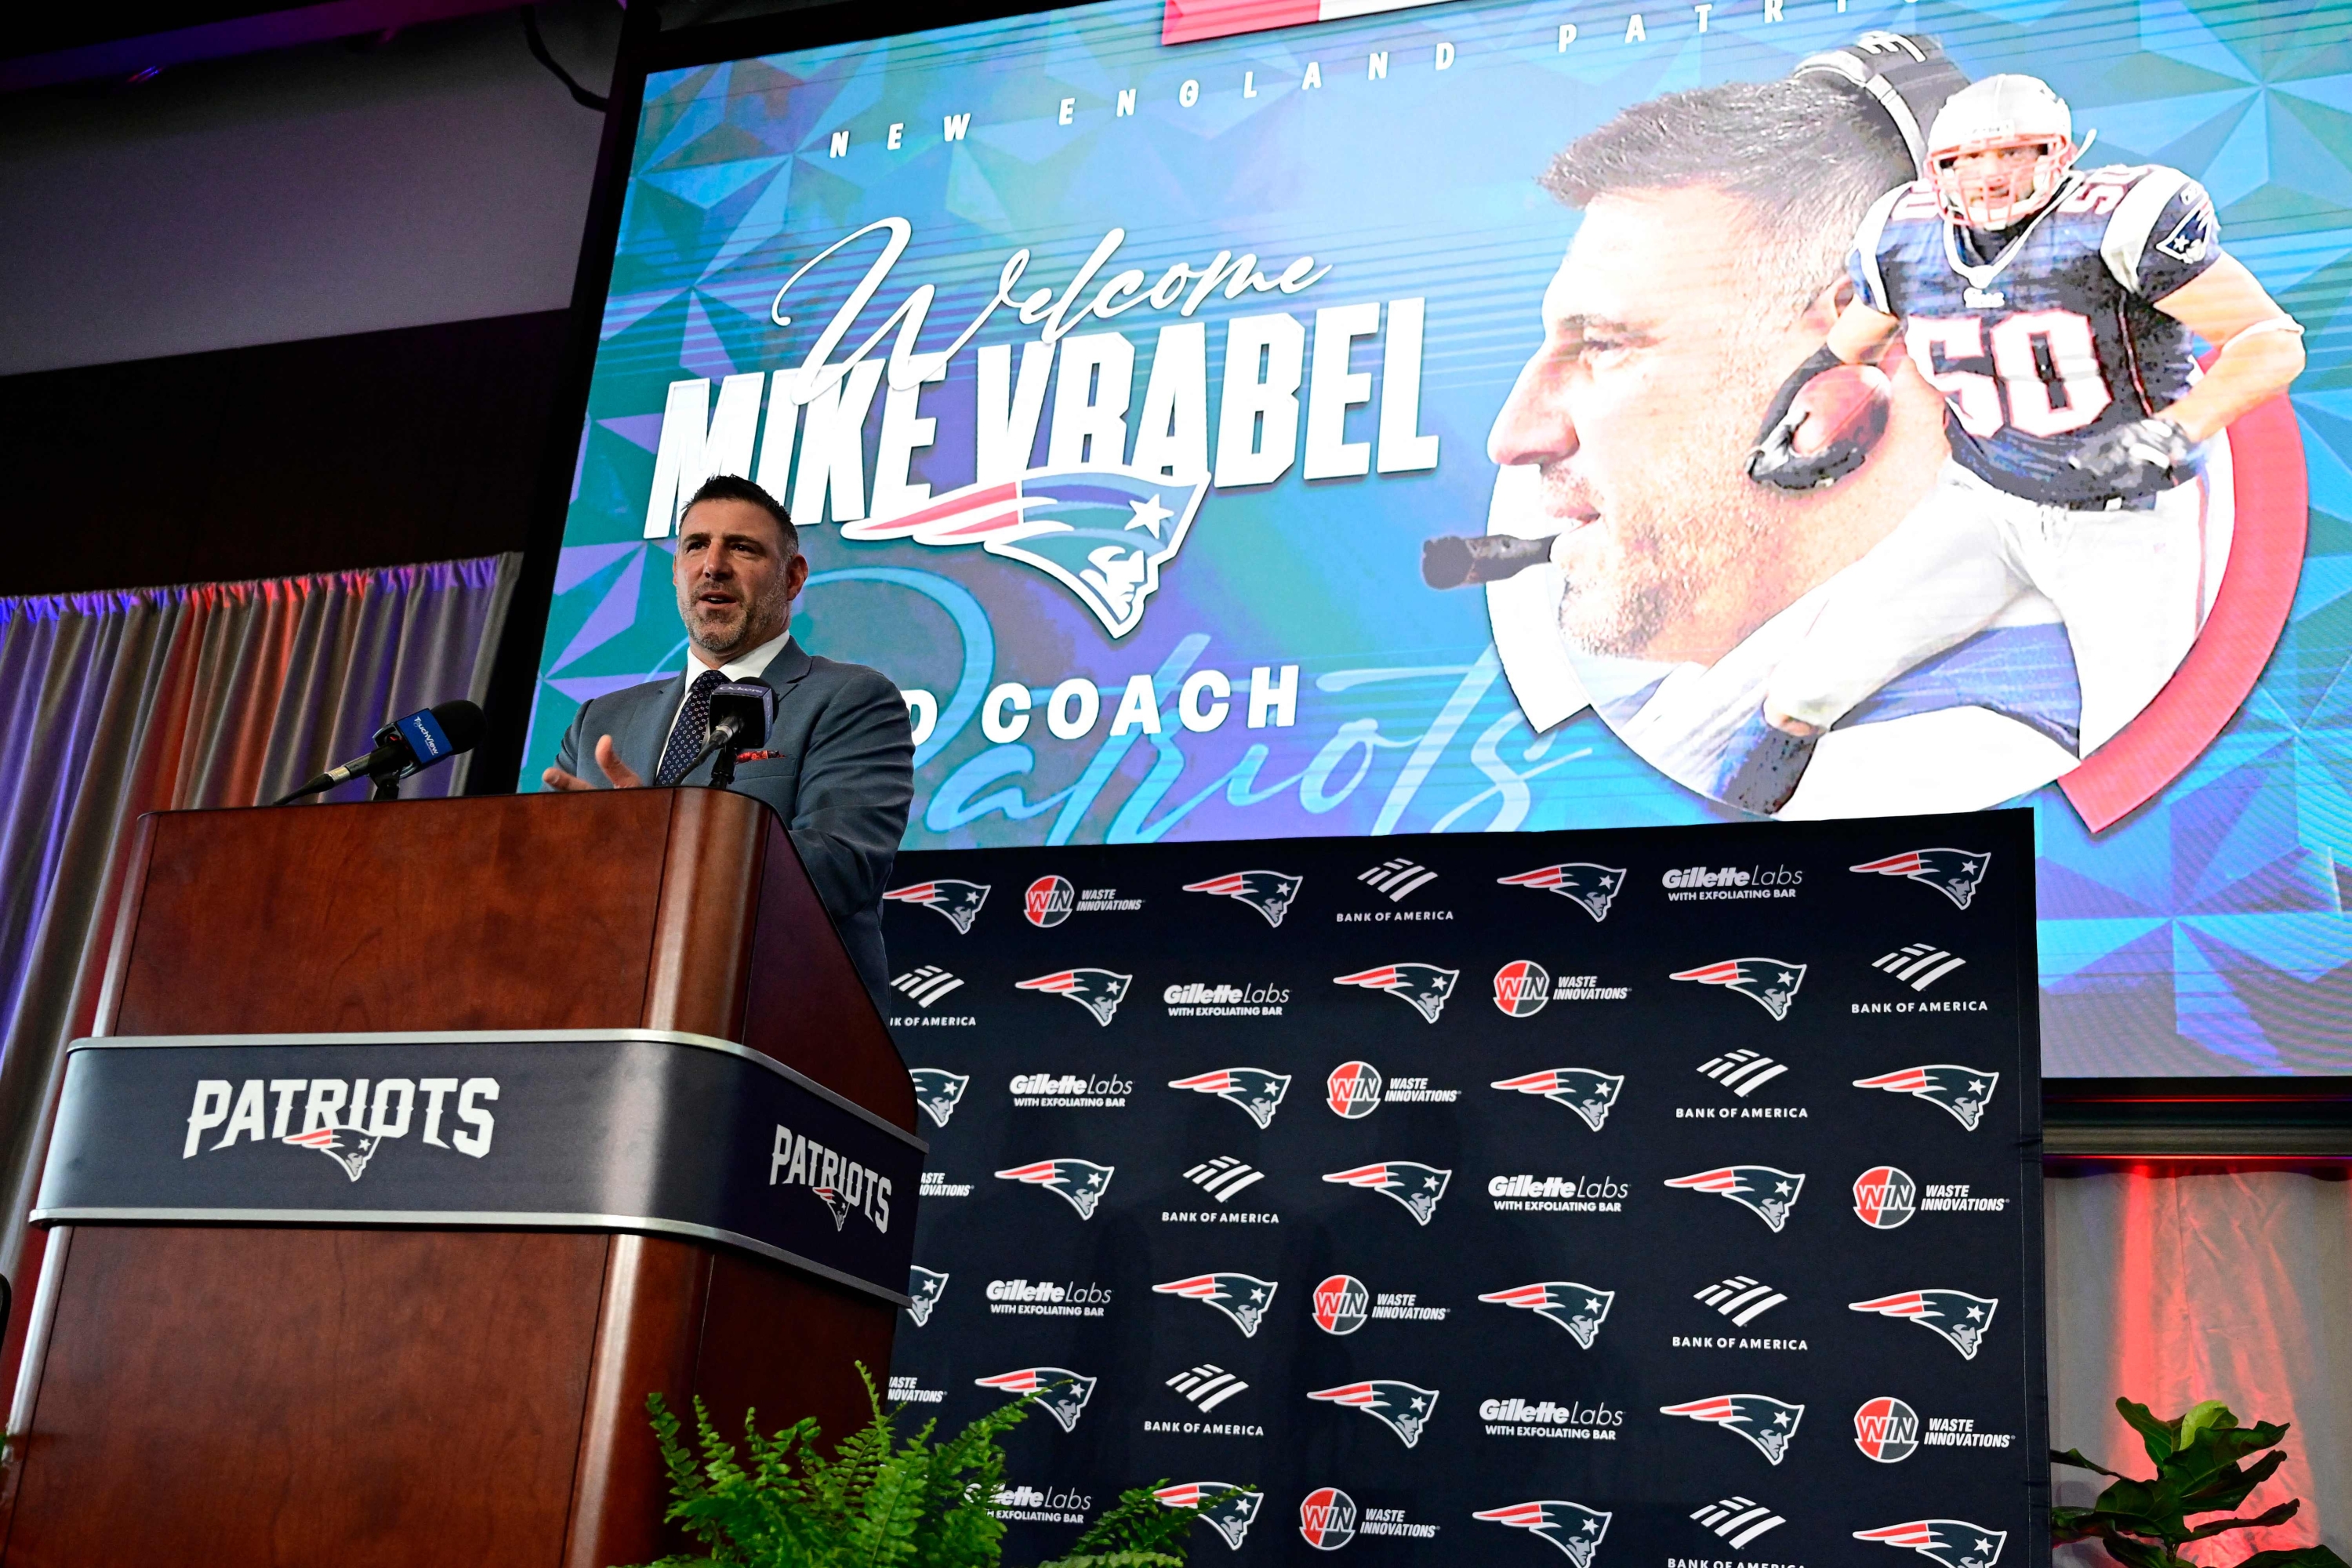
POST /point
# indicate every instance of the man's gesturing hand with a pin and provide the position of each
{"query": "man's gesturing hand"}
(608, 760)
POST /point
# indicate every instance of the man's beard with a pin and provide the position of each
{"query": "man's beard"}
(723, 637)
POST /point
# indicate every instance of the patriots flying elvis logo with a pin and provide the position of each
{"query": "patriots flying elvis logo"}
(1953, 1542)
(1098, 991)
(1081, 1182)
(1257, 1091)
(1101, 532)
(959, 902)
(924, 1289)
(1770, 983)
(1961, 1319)
(1061, 1393)
(1763, 1191)
(1592, 888)
(1575, 1529)
(1588, 1093)
(938, 1090)
(1962, 1090)
(1578, 1309)
(1401, 1407)
(835, 1203)
(1241, 1297)
(1766, 1422)
(1424, 986)
(1223, 1507)
(1955, 873)
(1267, 892)
(1417, 1187)
(352, 1157)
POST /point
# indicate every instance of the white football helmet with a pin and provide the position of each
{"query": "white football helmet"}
(1995, 115)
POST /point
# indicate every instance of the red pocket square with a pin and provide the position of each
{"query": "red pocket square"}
(757, 756)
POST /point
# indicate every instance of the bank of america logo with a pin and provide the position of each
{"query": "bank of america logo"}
(1207, 1385)
(926, 985)
(1740, 1299)
(1742, 1072)
(1919, 965)
(1398, 879)
(1224, 1177)
(1739, 1520)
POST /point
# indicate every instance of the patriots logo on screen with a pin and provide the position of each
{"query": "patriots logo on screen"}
(1417, 1187)
(1953, 1542)
(835, 1203)
(1578, 1309)
(1223, 1507)
(1767, 1193)
(1267, 892)
(1257, 1091)
(1575, 1529)
(1592, 888)
(1102, 533)
(352, 1157)
(2192, 236)
(1766, 1422)
(1588, 1093)
(959, 902)
(1061, 1393)
(1422, 985)
(1241, 1297)
(1098, 991)
(1955, 873)
(1770, 983)
(938, 1090)
(924, 1289)
(1960, 1318)
(1081, 1182)
(1962, 1090)
(1401, 1407)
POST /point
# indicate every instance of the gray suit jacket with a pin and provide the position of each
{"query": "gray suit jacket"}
(841, 780)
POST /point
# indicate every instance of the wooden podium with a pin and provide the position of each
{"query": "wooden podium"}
(252, 1395)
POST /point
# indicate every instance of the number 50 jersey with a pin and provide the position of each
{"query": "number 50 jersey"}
(2047, 347)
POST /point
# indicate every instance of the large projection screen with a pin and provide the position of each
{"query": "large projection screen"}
(1118, 362)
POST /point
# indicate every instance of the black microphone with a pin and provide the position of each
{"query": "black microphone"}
(741, 712)
(405, 747)
(1456, 561)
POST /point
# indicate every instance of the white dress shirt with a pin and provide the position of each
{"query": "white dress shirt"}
(747, 668)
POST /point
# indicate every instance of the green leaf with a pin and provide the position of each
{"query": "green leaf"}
(2296, 1557)
(2207, 1412)
(2075, 1457)
(2159, 1437)
(2269, 1515)
(2229, 1489)
(2134, 1553)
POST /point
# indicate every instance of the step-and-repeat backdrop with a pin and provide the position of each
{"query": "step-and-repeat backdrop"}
(1667, 1198)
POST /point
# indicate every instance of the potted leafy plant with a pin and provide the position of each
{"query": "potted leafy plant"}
(2200, 1469)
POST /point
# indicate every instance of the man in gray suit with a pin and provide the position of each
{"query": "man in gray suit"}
(838, 764)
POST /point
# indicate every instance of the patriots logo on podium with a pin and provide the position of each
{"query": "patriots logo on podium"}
(1962, 1090)
(1575, 1529)
(1223, 1507)
(1241, 1297)
(1578, 1309)
(1098, 991)
(1955, 873)
(1256, 1090)
(1960, 1318)
(1424, 987)
(1953, 1542)
(1267, 892)
(834, 1204)
(1403, 1408)
(1770, 983)
(959, 902)
(938, 1090)
(1767, 1423)
(1081, 1182)
(924, 1289)
(1592, 888)
(1765, 1192)
(1061, 1393)
(1417, 1187)
(1103, 534)
(352, 1157)
(1588, 1093)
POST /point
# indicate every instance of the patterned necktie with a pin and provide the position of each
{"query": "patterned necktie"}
(693, 728)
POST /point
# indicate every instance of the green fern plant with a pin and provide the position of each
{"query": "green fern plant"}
(2199, 1469)
(878, 1501)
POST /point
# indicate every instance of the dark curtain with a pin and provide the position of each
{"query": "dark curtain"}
(222, 694)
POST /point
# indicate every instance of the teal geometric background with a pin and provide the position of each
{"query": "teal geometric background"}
(2206, 933)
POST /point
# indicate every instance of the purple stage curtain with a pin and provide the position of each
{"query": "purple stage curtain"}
(221, 694)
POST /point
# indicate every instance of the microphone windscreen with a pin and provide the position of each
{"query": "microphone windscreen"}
(462, 722)
(752, 704)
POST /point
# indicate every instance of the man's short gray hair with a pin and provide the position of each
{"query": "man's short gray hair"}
(1807, 155)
